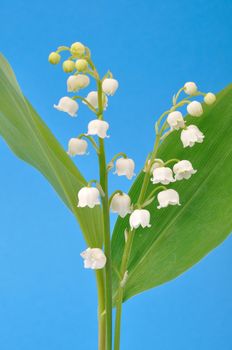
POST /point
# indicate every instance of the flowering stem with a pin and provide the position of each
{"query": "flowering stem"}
(171, 161)
(76, 97)
(81, 136)
(101, 310)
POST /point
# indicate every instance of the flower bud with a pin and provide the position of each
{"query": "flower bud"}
(140, 217)
(190, 88)
(81, 65)
(77, 147)
(195, 109)
(54, 58)
(162, 175)
(88, 197)
(121, 204)
(68, 66)
(175, 120)
(98, 127)
(76, 82)
(168, 197)
(191, 135)
(183, 170)
(109, 86)
(94, 258)
(68, 105)
(209, 98)
(77, 49)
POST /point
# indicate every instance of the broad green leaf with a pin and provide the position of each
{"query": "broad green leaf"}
(181, 236)
(31, 140)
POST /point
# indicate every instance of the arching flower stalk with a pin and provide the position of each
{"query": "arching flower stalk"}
(161, 173)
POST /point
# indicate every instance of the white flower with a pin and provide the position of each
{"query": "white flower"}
(209, 98)
(92, 98)
(195, 109)
(121, 204)
(94, 258)
(125, 166)
(77, 147)
(140, 217)
(162, 175)
(76, 82)
(191, 135)
(168, 197)
(190, 88)
(88, 197)
(98, 127)
(68, 105)
(183, 170)
(176, 120)
(109, 86)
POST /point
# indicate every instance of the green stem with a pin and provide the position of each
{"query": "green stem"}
(101, 310)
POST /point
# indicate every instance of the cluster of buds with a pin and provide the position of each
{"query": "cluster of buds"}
(81, 67)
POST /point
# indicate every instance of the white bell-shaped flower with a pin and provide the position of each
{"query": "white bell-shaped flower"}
(109, 86)
(125, 166)
(168, 197)
(94, 258)
(162, 175)
(121, 204)
(88, 197)
(92, 98)
(98, 127)
(68, 105)
(209, 98)
(190, 88)
(183, 170)
(140, 217)
(76, 82)
(176, 120)
(191, 135)
(77, 147)
(195, 109)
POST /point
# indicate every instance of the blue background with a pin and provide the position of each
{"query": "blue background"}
(47, 299)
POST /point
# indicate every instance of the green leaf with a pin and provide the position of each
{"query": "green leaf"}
(181, 236)
(31, 140)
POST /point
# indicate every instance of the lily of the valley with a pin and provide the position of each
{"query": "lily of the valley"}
(183, 170)
(88, 197)
(77, 147)
(195, 109)
(94, 258)
(191, 135)
(190, 88)
(125, 166)
(209, 98)
(92, 98)
(162, 175)
(109, 86)
(168, 197)
(176, 120)
(121, 204)
(77, 82)
(98, 127)
(68, 105)
(140, 217)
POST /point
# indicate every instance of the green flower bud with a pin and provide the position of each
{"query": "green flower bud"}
(77, 49)
(81, 65)
(68, 66)
(54, 58)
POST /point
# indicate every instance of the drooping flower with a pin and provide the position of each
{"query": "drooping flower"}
(168, 197)
(76, 82)
(125, 166)
(121, 204)
(183, 170)
(98, 127)
(94, 258)
(191, 135)
(190, 88)
(92, 98)
(140, 217)
(162, 175)
(209, 98)
(109, 86)
(176, 120)
(88, 197)
(68, 105)
(195, 109)
(77, 147)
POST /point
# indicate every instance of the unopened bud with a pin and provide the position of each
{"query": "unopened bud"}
(81, 65)
(77, 49)
(209, 98)
(54, 58)
(68, 66)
